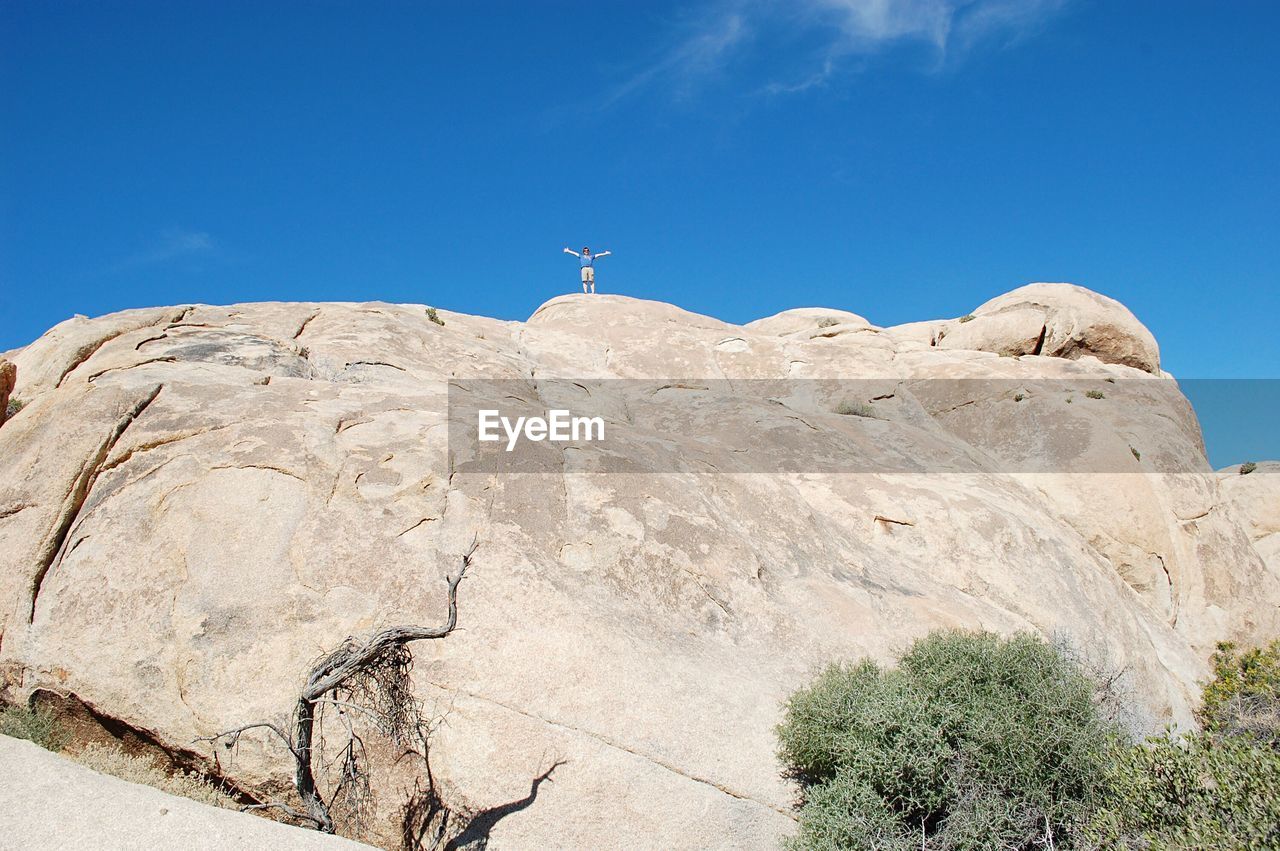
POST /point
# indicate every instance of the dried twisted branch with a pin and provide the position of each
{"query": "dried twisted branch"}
(371, 676)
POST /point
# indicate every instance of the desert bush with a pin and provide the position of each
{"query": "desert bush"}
(112, 759)
(968, 317)
(1244, 695)
(13, 407)
(1197, 791)
(434, 317)
(853, 408)
(1215, 788)
(973, 742)
(1248, 467)
(35, 725)
(1095, 394)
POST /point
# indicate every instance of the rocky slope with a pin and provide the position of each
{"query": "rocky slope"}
(197, 501)
(59, 804)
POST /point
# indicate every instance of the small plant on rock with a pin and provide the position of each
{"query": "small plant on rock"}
(112, 759)
(434, 317)
(38, 725)
(852, 408)
(1247, 467)
(1095, 394)
(968, 317)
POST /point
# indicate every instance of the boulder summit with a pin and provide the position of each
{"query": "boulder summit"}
(196, 502)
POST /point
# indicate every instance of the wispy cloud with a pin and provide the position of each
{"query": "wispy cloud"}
(695, 55)
(171, 244)
(807, 43)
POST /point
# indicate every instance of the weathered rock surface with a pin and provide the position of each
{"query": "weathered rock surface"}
(200, 500)
(49, 802)
(1059, 320)
(1255, 498)
(8, 377)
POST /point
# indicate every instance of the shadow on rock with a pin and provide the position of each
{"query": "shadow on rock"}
(427, 813)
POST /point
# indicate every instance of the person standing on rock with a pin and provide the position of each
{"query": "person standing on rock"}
(585, 261)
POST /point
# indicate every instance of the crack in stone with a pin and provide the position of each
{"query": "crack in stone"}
(619, 746)
(282, 471)
(376, 363)
(156, 444)
(6, 513)
(92, 348)
(303, 326)
(955, 407)
(55, 543)
(695, 577)
(102, 372)
(416, 525)
(156, 339)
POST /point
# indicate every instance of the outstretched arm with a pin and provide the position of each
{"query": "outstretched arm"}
(603, 254)
(571, 251)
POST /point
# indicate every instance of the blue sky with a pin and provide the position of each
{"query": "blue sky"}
(904, 159)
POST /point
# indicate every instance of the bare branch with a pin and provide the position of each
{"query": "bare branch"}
(233, 736)
(342, 704)
(285, 808)
(374, 670)
(340, 665)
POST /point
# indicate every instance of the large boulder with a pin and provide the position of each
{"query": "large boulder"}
(808, 321)
(200, 501)
(1056, 320)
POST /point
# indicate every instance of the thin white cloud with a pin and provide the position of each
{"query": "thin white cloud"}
(694, 56)
(171, 244)
(834, 32)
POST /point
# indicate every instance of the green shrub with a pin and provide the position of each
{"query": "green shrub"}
(1247, 467)
(1198, 791)
(35, 725)
(434, 317)
(968, 317)
(13, 407)
(973, 742)
(855, 409)
(1244, 695)
(1218, 788)
(1095, 394)
(1137, 456)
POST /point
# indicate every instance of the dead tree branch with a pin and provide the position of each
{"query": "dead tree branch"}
(370, 676)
